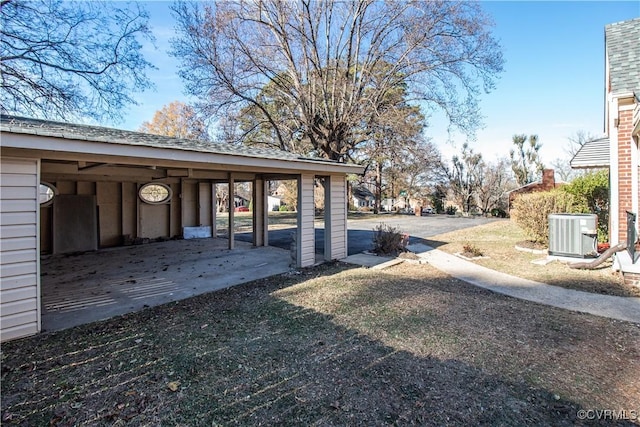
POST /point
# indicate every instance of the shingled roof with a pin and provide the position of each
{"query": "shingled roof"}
(622, 41)
(593, 154)
(80, 132)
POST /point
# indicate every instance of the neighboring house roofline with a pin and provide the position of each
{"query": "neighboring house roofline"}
(363, 193)
(533, 184)
(593, 154)
(548, 177)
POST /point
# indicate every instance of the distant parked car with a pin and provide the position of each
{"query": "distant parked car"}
(427, 211)
(242, 209)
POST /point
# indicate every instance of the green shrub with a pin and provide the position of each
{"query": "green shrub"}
(531, 211)
(498, 213)
(283, 208)
(388, 240)
(592, 192)
(451, 210)
(437, 199)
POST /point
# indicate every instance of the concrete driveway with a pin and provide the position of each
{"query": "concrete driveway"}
(361, 230)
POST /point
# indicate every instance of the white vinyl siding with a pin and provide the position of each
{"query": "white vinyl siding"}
(19, 251)
(306, 240)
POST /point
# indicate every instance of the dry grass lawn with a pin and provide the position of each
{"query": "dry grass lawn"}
(331, 345)
(497, 241)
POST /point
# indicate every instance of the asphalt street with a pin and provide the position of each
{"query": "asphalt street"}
(360, 231)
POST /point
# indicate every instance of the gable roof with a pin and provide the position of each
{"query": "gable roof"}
(592, 154)
(125, 137)
(622, 45)
(128, 140)
(363, 193)
(548, 179)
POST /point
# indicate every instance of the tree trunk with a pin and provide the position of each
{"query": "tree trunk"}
(378, 202)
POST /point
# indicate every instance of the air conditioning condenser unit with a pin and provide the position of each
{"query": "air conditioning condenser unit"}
(573, 235)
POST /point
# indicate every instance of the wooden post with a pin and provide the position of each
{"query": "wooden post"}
(306, 246)
(335, 218)
(260, 212)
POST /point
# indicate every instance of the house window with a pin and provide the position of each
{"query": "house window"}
(155, 193)
(46, 193)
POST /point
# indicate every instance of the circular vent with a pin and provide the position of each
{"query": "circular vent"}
(155, 193)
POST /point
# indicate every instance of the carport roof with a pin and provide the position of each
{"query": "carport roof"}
(89, 133)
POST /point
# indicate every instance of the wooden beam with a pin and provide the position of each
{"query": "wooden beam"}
(182, 173)
(94, 166)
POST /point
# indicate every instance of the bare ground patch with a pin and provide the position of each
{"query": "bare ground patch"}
(328, 346)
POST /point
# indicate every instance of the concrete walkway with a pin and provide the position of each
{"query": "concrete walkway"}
(614, 307)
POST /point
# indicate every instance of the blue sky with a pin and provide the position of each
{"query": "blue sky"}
(553, 83)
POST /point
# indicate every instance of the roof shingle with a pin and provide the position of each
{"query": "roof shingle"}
(622, 41)
(54, 129)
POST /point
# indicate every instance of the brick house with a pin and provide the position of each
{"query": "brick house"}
(547, 183)
(618, 151)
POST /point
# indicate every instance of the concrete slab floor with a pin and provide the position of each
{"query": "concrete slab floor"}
(99, 285)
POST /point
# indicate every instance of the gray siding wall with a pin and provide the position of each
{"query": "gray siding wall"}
(336, 218)
(306, 240)
(19, 248)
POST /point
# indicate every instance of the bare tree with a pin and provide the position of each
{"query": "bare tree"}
(177, 120)
(68, 59)
(222, 197)
(412, 168)
(253, 126)
(525, 158)
(419, 169)
(562, 169)
(562, 165)
(464, 177)
(331, 63)
(494, 182)
(577, 140)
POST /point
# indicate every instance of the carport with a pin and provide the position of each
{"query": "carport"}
(68, 188)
